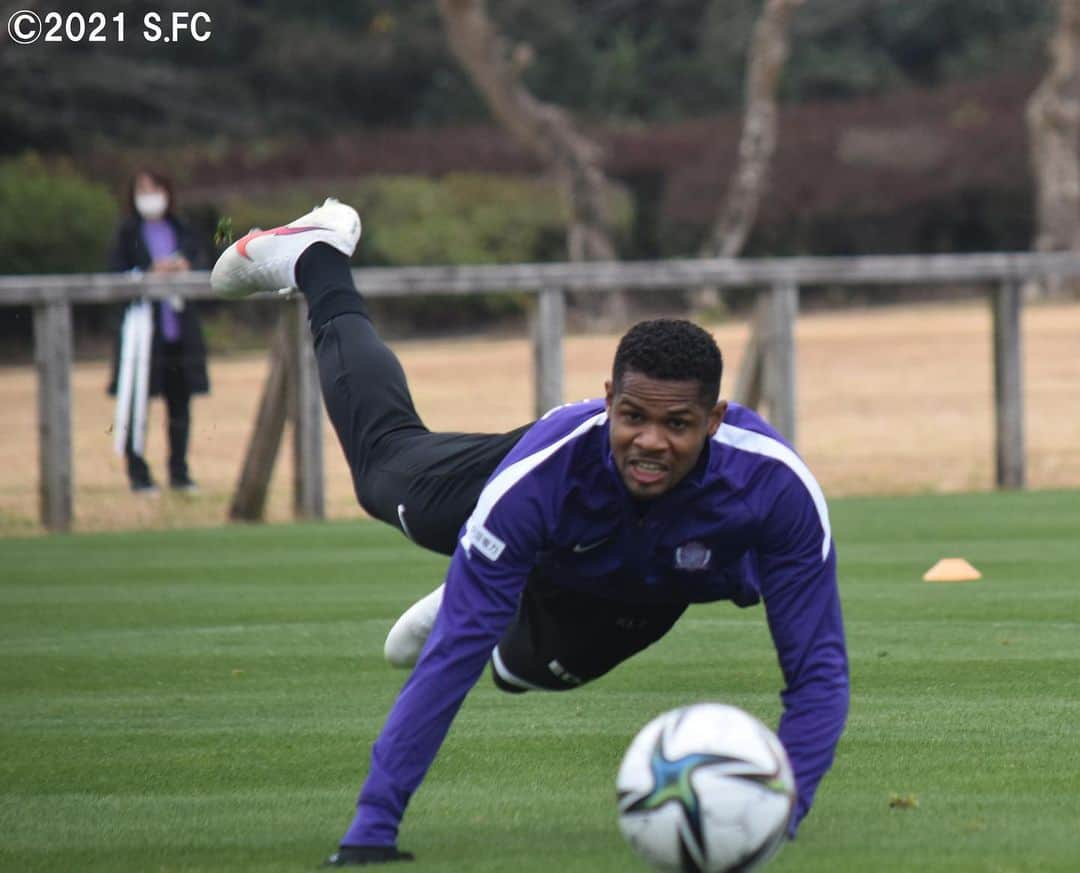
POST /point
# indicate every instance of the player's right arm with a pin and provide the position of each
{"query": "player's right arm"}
(487, 573)
(511, 523)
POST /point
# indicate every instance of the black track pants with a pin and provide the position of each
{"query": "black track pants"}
(425, 484)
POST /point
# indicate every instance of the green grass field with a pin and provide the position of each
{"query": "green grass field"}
(205, 700)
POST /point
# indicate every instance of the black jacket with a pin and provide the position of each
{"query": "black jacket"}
(129, 252)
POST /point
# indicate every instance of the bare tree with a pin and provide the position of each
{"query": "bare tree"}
(547, 131)
(769, 51)
(1053, 117)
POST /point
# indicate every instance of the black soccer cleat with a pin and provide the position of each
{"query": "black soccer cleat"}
(359, 856)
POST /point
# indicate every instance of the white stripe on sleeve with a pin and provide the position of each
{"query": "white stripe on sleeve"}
(495, 489)
(760, 444)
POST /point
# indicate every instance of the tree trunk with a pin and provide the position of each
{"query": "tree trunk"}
(546, 130)
(1053, 117)
(765, 63)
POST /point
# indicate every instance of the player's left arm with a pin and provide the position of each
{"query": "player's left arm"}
(797, 571)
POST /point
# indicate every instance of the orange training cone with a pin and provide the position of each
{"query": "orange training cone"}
(952, 570)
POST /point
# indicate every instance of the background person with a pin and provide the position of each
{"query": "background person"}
(153, 239)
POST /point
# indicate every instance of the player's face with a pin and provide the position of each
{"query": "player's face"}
(658, 429)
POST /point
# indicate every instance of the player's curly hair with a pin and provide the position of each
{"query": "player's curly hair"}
(670, 348)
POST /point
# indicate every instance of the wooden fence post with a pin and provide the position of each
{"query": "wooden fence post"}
(548, 329)
(778, 343)
(249, 501)
(52, 358)
(309, 492)
(1008, 387)
(747, 390)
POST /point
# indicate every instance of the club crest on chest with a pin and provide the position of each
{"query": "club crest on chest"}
(692, 556)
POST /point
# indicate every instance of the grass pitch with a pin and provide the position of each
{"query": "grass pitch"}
(205, 700)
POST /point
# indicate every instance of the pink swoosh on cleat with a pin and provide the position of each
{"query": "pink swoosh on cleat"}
(242, 243)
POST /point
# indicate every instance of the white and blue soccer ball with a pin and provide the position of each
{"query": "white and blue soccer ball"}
(705, 788)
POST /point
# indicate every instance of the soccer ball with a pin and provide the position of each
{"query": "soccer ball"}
(705, 788)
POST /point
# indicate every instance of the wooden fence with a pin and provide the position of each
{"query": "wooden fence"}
(770, 365)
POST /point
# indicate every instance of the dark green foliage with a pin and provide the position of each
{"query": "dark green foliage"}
(52, 220)
(279, 68)
(845, 48)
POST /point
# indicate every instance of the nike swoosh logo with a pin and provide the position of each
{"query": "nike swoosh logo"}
(242, 243)
(404, 527)
(581, 548)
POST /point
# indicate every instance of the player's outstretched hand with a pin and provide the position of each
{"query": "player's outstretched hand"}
(359, 856)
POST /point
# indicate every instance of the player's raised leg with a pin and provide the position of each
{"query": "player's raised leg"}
(423, 483)
(363, 384)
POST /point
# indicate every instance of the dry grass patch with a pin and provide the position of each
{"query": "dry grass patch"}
(891, 400)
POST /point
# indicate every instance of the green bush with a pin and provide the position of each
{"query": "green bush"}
(465, 218)
(461, 218)
(51, 219)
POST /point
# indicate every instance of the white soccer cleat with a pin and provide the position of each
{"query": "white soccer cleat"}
(409, 633)
(265, 260)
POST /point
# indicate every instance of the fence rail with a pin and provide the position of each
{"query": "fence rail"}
(773, 366)
(593, 276)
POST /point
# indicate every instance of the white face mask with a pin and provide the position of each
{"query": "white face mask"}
(151, 205)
